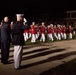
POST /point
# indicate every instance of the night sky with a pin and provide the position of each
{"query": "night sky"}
(36, 8)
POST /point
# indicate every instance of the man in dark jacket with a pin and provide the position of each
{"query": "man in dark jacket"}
(5, 40)
(0, 36)
(18, 39)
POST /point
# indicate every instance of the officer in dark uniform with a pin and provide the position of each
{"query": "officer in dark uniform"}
(0, 36)
(5, 40)
(18, 39)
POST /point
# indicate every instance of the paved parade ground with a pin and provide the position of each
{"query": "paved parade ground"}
(38, 59)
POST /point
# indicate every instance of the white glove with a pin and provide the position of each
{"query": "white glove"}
(25, 20)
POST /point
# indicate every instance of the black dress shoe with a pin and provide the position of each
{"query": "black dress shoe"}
(1, 61)
(20, 67)
(16, 68)
(6, 63)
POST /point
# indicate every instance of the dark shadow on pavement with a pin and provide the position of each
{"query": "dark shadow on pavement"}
(58, 57)
(37, 50)
(64, 69)
(40, 54)
(43, 54)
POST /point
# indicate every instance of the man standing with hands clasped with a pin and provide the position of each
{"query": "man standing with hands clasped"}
(18, 39)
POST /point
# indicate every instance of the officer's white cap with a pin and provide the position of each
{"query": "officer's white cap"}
(20, 15)
(51, 24)
(58, 25)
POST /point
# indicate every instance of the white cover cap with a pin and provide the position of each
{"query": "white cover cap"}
(20, 15)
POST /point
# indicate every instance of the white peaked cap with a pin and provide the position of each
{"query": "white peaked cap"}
(20, 15)
(25, 20)
(48, 26)
(58, 25)
(51, 24)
